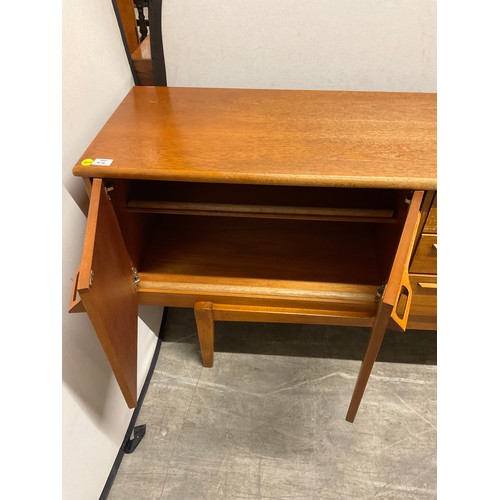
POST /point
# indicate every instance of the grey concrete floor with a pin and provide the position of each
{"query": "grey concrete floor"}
(268, 420)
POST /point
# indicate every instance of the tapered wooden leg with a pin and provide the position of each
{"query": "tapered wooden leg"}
(205, 327)
(376, 337)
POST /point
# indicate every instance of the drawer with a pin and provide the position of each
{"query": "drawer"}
(424, 288)
(425, 258)
(431, 221)
(430, 225)
(423, 313)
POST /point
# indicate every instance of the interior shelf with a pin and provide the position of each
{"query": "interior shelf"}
(257, 201)
(260, 254)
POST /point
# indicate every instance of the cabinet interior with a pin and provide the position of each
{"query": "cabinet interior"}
(261, 238)
(261, 201)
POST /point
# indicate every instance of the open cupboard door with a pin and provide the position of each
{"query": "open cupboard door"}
(396, 292)
(106, 287)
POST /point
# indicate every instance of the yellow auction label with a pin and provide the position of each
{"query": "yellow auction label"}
(87, 162)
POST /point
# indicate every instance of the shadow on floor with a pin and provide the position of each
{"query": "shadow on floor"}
(314, 341)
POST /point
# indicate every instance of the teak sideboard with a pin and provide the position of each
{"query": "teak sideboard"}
(260, 205)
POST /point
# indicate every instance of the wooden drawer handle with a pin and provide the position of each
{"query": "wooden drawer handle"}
(428, 285)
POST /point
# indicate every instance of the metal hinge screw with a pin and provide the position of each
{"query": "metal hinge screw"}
(380, 291)
(137, 279)
(108, 190)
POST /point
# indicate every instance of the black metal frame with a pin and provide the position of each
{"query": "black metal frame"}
(155, 35)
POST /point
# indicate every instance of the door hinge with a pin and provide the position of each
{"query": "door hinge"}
(91, 278)
(108, 188)
(380, 290)
(137, 279)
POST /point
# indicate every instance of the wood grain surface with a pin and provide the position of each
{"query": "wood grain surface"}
(129, 23)
(105, 285)
(287, 137)
(423, 314)
(141, 58)
(425, 258)
(263, 249)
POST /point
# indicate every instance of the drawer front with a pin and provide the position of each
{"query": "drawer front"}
(431, 222)
(423, 312)
(425, 258)
(424, 302)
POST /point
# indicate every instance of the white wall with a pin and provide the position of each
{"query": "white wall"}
(378, 45)
(96, 77)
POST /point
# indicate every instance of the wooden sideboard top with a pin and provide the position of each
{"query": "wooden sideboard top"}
(289, 137)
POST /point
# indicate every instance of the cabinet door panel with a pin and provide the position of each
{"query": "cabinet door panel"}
(106, 287)
(398, 292)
